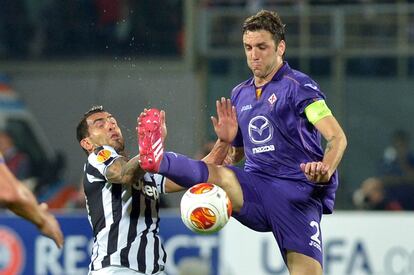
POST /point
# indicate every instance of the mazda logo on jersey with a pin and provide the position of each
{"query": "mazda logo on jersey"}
(260, 130)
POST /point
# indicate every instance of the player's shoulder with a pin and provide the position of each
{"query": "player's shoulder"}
(302, 81)
(236, 90)
(298, 77)
(102, 155)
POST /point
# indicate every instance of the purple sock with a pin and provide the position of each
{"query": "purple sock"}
(183, 170)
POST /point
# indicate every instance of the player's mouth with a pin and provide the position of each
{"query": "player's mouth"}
(256, 65)
(115, 136)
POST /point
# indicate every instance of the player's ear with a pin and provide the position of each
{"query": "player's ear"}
(86, 144)
(281, 47)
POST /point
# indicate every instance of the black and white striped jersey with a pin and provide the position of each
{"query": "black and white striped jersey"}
(124, 218)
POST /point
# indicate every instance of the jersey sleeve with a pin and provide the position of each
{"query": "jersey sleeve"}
(158, 179)
(102, 158)
(307, 93)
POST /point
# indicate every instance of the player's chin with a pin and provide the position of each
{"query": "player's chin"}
(258, 73)
(118, 145)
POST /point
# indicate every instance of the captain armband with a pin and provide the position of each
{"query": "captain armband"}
(317, 110)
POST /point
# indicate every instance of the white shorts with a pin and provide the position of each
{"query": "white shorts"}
(118, 270)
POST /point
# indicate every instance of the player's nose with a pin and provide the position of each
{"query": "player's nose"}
(255, 53)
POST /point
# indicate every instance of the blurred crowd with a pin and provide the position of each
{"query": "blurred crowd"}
(51, 28)
(392, 188)
(17, 161)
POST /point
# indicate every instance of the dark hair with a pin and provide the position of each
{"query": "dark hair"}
(268, 21)
(82, 128)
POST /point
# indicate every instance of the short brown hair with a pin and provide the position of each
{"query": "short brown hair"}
(266, 20)
(82, 128)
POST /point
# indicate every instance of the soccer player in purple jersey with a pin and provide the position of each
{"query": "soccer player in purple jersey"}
(275, 119)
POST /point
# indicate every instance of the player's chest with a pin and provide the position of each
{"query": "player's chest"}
(271, 105)
(146, 188)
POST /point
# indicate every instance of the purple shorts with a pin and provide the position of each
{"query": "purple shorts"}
(291, 209)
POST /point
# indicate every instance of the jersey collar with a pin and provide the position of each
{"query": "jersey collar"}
(281, 72)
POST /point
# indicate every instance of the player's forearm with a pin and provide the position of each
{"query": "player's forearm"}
(18, 198)
(27, 206)
(132, 170)
(124, 172)
(171, 187)
(218, 154)
(335, 148)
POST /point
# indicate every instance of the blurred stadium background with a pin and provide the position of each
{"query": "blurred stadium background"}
(60, 57)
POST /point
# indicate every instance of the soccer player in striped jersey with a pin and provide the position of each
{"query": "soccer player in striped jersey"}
(20, 200)
(122, 200)
(275, 120)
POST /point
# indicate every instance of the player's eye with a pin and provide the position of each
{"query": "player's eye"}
(112, 120)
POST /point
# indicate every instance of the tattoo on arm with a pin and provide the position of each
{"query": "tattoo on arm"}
(123, 172)
(329, 144)
(132, 170)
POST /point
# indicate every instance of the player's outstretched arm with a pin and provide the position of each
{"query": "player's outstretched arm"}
(19, 199)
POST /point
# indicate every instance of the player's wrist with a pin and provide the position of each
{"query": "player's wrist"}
(222, 142)
(40, 221)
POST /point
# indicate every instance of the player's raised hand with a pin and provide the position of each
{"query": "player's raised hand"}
(225, 125)
(50, 226)
(316, 171)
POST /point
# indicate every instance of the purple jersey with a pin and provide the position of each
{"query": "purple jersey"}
(274, 130)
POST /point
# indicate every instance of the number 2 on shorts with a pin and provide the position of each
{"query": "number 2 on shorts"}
(315, 237)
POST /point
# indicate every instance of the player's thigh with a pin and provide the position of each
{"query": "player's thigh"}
(300, 264)
(226, 179)
(295, 215)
